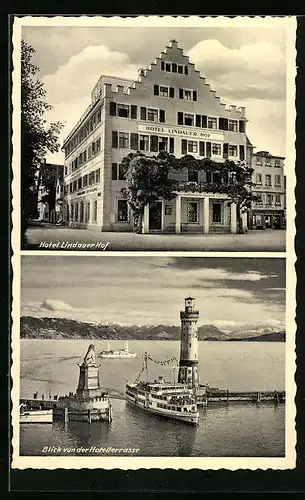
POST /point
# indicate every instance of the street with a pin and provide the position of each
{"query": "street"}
(50, 237)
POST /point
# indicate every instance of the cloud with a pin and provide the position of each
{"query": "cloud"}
(258, 59)
(55, 305)
(78, 76)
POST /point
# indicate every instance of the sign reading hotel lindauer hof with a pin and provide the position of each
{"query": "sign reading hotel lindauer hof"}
(130, 350)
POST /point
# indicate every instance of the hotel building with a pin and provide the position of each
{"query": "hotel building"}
(170, 107)
(269, 180)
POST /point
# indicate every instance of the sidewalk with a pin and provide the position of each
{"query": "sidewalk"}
(253, 241)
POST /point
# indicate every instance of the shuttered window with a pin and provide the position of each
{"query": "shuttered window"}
(154, 143)
(242, 126)
(180, 93)
(241, 153)
(198, 121)
(114, 139)
(208, 149)
(194, 95)
(183, 146)
(133, 112)
(171, 92)
(112, 108)
(225, 150)
(162, 116)
(201, 148)
(156, 89)
(204, 123)
(143, 113)
(180, 118)
(223, 124)
(134, 141)
(171, 145)
(114, 171)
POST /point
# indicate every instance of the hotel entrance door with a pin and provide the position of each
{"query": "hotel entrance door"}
(155, 216)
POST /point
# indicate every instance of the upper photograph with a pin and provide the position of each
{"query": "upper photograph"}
(154, 138)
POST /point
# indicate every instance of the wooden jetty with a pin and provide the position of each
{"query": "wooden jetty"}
(207, 395)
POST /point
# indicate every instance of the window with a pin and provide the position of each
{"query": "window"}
(258, 160)
(188, 119)
(277, 180)
(192, 146)
(91, 178)
(232, 125)
(180, 69)
(123, 140)
(87, 212)
(152, 115)
(278, 199)
(277, 163)
(123, 110)
(192, 212)
(268, 180)
(162, 65)
(122, 211)
(216, 149)
(268, 199)
(188, 95)
(66, 170)
(163, 144)
(258, 179)
(122, 172)
(174, 67)
(144, 143)
(81, 215)
(216, 212)
(164, 91)
(97, 175)
(79, 183)
(192, 175)
(76, 212)
(85, 180)
(260, 200)
(212, 122)
(167, 67)
(232, 150)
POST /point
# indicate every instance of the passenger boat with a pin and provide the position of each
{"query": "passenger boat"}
(117, 353)
(35, 416)
(171, 400)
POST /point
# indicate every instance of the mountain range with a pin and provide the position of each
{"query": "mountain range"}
(64, 328)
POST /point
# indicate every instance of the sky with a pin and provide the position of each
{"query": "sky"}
(246, 66)
(230, 293)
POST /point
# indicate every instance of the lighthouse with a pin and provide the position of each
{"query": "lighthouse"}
(188, 366)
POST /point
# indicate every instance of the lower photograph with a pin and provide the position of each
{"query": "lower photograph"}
(138, 362)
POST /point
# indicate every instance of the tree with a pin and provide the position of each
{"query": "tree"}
(37, 138)
(48, 179)
(147, 180)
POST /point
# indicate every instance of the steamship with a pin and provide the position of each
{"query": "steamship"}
(117, 353)
(173, 400)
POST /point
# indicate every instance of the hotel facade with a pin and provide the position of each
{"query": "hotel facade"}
(268, 212)
(169, 108)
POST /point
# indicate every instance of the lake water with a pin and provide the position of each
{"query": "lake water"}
(249, 430)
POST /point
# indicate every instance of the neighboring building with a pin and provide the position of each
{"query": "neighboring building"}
(269, 180)
(170, 107)
(50, 198)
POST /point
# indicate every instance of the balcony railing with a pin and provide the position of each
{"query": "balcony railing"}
(201, 187)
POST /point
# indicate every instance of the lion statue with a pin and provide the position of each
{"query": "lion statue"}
(90, 356)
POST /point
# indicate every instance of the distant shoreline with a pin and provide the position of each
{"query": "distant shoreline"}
(48, 328)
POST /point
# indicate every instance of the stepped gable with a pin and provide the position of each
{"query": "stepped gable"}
(153, 74)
